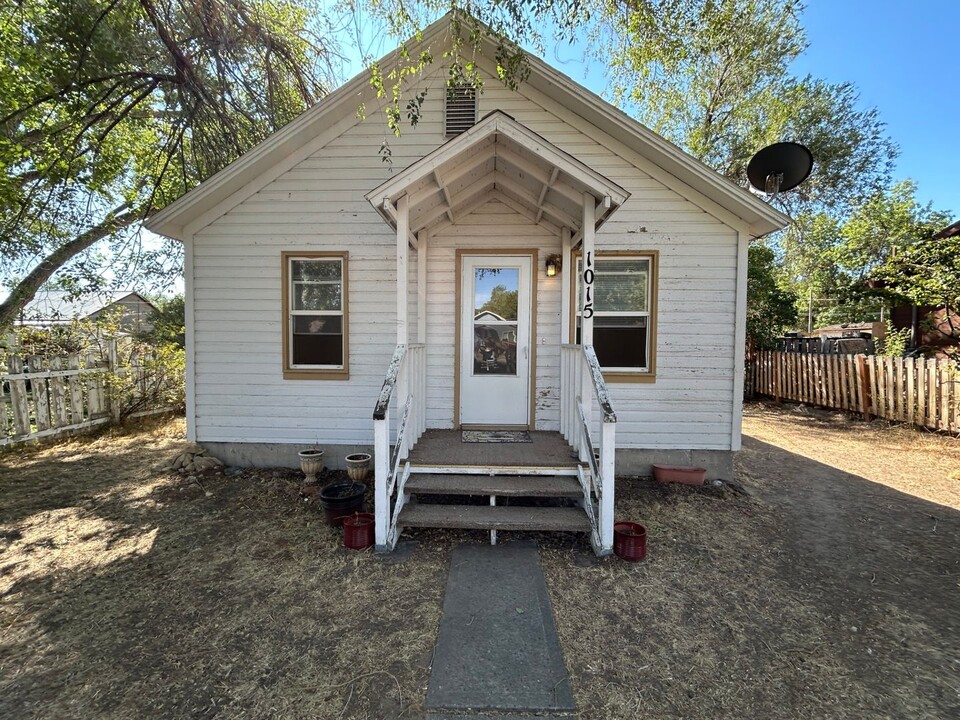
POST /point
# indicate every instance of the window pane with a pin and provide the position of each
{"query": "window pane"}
(317, 297)
(316, 269)
(621, 285)
(317, 340)
(619, 342)
(495, 293)
(495, 349)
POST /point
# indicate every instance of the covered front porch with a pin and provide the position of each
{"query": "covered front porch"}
(498, 162)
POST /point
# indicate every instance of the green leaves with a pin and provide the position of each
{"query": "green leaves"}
(113, 108)
(881, 238)
(771, 305)
(713, 76)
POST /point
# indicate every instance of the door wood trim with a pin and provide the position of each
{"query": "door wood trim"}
(533, 254)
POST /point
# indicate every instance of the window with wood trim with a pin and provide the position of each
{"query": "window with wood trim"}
(622, 302)
(460, 110)
(315, 315)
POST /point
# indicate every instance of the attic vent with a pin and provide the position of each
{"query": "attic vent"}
(461, 110)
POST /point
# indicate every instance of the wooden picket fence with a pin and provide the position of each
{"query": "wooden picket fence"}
(921, 391)
(45, 397)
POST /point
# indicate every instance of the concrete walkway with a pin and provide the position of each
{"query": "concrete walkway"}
(497, 649)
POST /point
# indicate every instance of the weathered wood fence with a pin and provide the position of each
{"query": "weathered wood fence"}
(924, 392)
(44, 397)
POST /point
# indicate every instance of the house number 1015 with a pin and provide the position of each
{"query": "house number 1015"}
(588, 286)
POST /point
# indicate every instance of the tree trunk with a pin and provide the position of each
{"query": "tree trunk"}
(26, 289)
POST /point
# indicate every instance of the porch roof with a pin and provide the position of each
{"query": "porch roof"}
(498, 158)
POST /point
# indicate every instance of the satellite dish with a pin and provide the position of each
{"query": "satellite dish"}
(779, 167)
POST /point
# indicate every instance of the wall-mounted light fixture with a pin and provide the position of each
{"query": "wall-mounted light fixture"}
(553, 265)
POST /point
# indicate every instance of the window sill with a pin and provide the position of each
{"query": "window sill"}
(629, 377)
(316, 374)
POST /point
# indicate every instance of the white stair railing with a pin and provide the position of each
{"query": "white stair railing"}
(406, 375)
(581, 382)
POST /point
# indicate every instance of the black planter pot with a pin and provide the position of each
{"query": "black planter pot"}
(340, 499)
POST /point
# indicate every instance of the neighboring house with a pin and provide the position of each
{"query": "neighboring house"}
(54, 307)
(323, 283)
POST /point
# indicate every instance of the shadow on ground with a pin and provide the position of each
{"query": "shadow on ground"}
(131, 593)
(826, 595)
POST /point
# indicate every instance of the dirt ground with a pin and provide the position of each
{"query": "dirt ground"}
(831, 591)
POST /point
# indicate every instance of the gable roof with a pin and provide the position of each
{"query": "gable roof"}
(498, 157)
(321, 123)
(52, 307)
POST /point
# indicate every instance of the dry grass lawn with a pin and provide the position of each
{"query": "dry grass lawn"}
(128, 592)
(833, 591)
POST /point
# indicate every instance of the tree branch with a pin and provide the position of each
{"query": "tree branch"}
(120, 218)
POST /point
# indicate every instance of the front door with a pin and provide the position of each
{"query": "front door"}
(495, 344)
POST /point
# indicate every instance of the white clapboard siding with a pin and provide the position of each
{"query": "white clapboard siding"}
(241, 396)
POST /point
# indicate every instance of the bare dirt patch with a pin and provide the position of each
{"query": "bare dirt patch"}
(830, 594)
(915, 461)
(127, 591)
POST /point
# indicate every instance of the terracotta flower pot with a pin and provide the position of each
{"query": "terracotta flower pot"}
(679, 474)
(358, 531)
(629, 541)
(358, 466)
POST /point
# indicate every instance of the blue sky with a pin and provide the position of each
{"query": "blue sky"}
(903, 57)
(508, 277)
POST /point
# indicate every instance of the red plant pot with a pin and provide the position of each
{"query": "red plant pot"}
(679, 474)
(630, 541)
(358, 531)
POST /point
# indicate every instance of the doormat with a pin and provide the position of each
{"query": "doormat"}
(496, 436)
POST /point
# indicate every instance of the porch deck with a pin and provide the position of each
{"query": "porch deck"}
(446, 447)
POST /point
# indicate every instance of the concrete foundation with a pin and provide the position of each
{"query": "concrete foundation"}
(280, 454)
(719, 463)
(630, 461)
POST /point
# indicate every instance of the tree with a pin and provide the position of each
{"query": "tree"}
(833, 260)
(713, 76)
(168, 321)
(110, 109)
(771, 307)
(927, 273)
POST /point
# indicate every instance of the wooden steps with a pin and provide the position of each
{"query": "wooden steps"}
(485, 517)
(499, 485)
(555, 486)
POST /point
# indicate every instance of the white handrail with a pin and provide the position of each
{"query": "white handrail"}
(405, 374)
(579, 367)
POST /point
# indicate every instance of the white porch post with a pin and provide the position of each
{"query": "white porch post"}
(419, 369)
(381, 466)
(381, 425)
(403, 313)
(566, 272)
(588, 231)
(608, 449)
(423, 238)
(403, 225)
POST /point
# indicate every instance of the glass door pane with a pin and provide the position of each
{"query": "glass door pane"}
(495, 294)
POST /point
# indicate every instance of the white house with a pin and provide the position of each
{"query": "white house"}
(328, 291)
